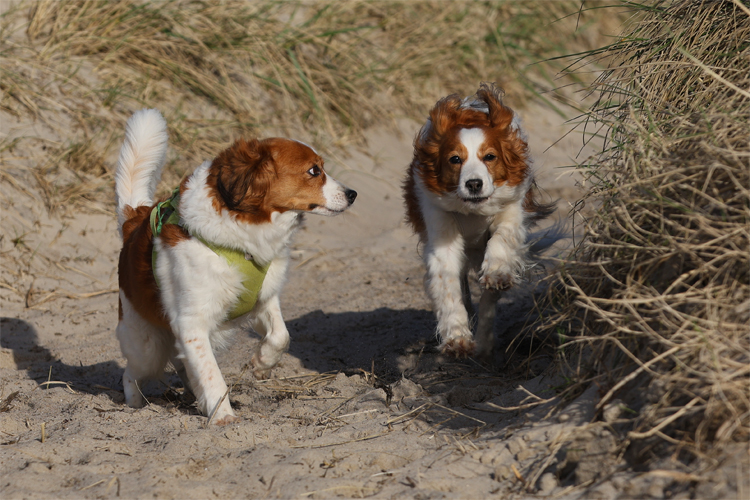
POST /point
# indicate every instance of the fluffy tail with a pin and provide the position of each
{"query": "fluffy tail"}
(141, 160)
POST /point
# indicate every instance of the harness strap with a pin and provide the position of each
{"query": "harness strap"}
(253, 274)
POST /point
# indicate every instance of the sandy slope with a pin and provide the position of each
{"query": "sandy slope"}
(361, 405)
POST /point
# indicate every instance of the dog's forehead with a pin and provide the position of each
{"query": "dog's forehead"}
(472, 138)
(293, 152)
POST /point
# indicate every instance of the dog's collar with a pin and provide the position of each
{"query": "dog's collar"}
(253, 274)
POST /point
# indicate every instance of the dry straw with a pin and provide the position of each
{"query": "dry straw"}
(319, 71)
(655, 300)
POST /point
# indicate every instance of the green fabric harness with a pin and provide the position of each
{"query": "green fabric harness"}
(166, 212)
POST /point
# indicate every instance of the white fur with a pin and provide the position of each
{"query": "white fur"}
(474, 168)
(146, 348)
(141, 160)
(335, 195)
(262, 241)
(197, 287)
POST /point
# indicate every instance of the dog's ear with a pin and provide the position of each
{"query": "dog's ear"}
(443, 115)
(513, 145)
(244, 173)
(500, 115)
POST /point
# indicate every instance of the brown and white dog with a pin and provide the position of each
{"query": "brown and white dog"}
(250, 198)
(469, 194)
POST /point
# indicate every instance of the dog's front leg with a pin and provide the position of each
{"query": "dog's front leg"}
(204, 374)
(445, 259)
(504, 262)
(269, 323)
(502, 267)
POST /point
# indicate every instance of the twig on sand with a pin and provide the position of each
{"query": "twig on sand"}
(518, 475)
(365, 438)
(92, 485)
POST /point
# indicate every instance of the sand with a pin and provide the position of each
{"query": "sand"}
(361, 405)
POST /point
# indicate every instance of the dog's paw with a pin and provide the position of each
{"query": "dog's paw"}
(459, 347)
(497, 281)
(226, 420)
(261, 371)
(262, 374)
(500, 274)
(496, 275)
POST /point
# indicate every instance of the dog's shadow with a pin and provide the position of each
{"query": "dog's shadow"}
(22, 339)
(347, 342)
(388, 342)
(364, 340)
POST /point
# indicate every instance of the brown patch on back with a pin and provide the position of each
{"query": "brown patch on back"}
(172, 234)
(252, 179)
(136, 274)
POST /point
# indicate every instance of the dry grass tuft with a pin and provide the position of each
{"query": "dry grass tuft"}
(72, 72)
(656, 298)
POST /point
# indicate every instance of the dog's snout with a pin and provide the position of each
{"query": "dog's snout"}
(474, 186)
(351, 195)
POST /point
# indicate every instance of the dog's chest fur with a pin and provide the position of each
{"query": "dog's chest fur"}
(475, 229)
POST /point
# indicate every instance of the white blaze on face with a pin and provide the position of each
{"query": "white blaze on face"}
(335, 195)
(474, 168)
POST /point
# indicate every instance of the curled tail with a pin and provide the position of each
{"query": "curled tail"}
(141, 159)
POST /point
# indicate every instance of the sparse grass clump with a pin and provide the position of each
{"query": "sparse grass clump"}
(657, 296)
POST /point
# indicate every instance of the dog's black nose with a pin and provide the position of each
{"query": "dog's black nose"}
(351, 195)
(474, 186)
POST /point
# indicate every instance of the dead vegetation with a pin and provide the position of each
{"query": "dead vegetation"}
(653, 305)
(321, 71)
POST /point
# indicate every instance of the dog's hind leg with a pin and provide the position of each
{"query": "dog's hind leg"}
(146, 349)
(466, 297)
(485, 336)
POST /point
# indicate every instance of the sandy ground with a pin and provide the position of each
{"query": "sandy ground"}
(362, 405)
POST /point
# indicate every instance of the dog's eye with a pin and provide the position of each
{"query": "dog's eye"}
(456, 160)
(489, 157)
(315, 171)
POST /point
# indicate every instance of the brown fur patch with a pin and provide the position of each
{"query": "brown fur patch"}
(136, 274)
(252, 179)
(172, 234)
(413, 212)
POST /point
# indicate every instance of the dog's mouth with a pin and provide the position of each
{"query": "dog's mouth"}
(323, 210)
(475, 199)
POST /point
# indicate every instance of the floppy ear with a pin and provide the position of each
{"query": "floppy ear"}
(443, 115)
(500, 116)
(514, 149)
(243, 175)
(427, 142)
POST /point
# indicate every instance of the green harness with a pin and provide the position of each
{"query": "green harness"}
(166, 212)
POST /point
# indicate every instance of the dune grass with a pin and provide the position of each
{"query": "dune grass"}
(655, 300)
(319, 71)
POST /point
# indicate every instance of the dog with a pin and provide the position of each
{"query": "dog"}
(217, 248)
(470, 196)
